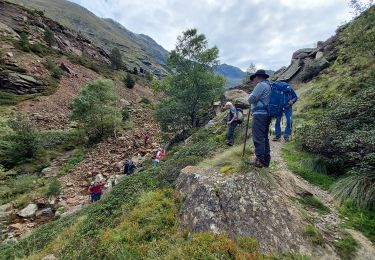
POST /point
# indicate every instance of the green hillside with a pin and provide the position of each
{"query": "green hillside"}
(335, 122)
(138, 50)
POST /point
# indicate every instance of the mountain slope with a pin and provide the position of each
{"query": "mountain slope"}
(233, 75)
(137, 50)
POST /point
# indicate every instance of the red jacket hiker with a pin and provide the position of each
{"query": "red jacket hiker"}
(96, 191)
(96, 187)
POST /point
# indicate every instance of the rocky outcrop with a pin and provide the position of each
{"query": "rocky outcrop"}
(19, 83)
(238, 97)
(29, 211)
(16, 19)
(309, 62)
(241, 205)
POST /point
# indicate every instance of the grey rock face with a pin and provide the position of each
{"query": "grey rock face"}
(309, 62)
(19, 83)
(29, 211)
(241, 205)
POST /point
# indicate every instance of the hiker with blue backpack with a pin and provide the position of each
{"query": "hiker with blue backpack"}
(291, 99)
(267, 101)
(259, 102)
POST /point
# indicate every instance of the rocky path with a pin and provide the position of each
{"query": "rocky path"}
(104, 161)
(328, 224)
(107, 159)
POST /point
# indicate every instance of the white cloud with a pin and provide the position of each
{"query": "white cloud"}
(263, 32)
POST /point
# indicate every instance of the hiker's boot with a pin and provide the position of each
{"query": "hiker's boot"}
(257, 163)
(276, 139)
(286, 139)
(230, 143)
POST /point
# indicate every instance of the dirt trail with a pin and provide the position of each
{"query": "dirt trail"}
(328, 224)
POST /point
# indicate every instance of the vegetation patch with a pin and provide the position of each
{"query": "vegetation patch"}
(315, 237)
(299, 163)
(311, 202)
(346, 247)
(76, 158)
(359, 219)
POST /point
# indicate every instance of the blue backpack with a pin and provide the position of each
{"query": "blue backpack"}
(280, 95)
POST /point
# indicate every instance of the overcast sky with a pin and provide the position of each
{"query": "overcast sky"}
(263, 32)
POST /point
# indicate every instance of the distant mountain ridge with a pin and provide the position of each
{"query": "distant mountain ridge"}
(232, 74)
(138, 50)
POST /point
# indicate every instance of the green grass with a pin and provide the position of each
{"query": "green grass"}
(346, 247)
(21, 189)
(297, 162)
(229, 161)
(75, 158)
(311, 202)
(314, 235)
(360, 219)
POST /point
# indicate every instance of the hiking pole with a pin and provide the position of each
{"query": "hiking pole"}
(247, 129)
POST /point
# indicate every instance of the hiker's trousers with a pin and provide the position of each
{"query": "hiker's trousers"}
(260, 128)
(230, 133)
(288, 127)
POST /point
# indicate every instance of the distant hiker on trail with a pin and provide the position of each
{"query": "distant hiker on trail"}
(157, 155)
(231, 120)
(129, 167)
(95, 190)
(146, 137)
(288, 111)
(259, 100)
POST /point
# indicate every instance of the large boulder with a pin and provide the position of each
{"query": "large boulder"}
(238, 97)
(303, 53)
(29, 211)
(19, 83)
(241, 205)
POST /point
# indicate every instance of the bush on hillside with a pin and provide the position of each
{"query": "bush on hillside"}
(24, 42)
(345, 133)
(129, 81)
(49, 37)
(23, 142)
(116, 59)
(96, 110)
(54, 188)
(149, 76)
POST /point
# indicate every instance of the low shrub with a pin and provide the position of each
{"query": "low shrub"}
(54, 188)
(57, 72)
(314, 235)
(125, 113)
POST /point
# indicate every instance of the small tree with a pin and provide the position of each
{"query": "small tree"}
(149, 76)
(24, 42)
(116, 59)
(129, 80)
(96, 109)
(193, 86)
(23, 141)
(54, 188)
(49, 37)
(250, 70)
